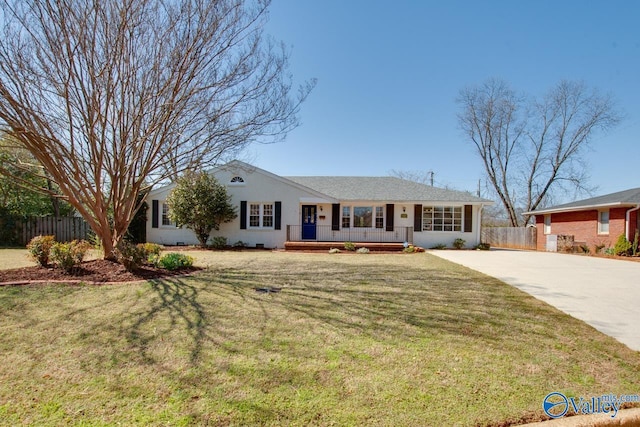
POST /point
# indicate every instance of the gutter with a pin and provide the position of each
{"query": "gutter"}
(479, 236)
(628, 225)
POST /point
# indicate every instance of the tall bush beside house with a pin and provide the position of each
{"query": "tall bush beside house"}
(201, 204)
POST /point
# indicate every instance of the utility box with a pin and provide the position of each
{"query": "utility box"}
(552, 243)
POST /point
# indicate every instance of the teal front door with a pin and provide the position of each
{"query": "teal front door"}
(308, 222)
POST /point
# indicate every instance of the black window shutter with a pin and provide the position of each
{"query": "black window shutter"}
(417, 217)
(468, 219)
(277, 223)
(390, 217)
(154, 214)
(243, 215)
(335, 216)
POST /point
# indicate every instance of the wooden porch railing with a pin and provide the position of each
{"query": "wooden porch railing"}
(324, 233)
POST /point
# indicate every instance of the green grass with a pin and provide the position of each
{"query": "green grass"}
(350, 340)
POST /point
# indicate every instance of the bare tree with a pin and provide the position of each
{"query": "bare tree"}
(112, 96)
(533, 148)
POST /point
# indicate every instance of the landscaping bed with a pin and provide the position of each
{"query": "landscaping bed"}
(94, 271)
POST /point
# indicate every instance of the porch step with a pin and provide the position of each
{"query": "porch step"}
(325, 246)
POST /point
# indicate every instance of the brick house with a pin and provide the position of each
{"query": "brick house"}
(593, 222)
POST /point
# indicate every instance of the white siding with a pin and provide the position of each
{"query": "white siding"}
(260, 187)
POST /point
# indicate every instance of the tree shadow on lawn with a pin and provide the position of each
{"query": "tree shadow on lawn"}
(174, 310)
(389, 301)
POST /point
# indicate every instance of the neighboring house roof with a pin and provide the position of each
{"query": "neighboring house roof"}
(383, 188)
(621, 198)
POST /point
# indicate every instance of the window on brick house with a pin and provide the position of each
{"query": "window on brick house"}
(603, 222)
(547, 224)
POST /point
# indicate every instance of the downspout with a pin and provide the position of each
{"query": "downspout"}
(479, 236)
(628, 220)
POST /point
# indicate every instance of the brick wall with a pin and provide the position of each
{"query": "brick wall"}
(583, 225)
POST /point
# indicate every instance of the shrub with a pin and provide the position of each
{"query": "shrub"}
(439, 246)
(130, 255)
(483, 247)
(68, 255)
(175, 261)
(585, 248)
(622, 246)
(349, 246)
(239, 244)
(362, 251)
(459, 243)
(409, 249)
(599, 248)
(219, 242)
(634, 245)
(39, 248)
(150, 252)
(334, 251)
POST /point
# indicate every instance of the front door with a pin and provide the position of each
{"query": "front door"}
(308, 222)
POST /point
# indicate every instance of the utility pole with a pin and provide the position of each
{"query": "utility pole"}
(431, 174)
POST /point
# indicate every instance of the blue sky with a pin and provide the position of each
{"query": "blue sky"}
(389, 74)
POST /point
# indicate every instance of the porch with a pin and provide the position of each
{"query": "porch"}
(369, 237)
(325, 246)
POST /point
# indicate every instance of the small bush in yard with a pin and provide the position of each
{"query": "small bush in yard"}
(68, 255)
(350, 246)
(622, 246)
(219, 242)
(459, 243)
(39, 248)
(175, 261)
(150, 252)
(130, 255)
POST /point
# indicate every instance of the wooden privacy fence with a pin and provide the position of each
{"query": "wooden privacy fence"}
(65, 229)
(510, 237)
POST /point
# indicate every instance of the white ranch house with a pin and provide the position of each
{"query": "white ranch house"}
(273, 210)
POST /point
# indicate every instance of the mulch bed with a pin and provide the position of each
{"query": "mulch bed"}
(96, 271)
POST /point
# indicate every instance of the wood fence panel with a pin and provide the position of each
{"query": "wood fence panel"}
(65, 229)
(510, 237)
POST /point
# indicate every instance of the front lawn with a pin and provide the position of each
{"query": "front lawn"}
(348, 340)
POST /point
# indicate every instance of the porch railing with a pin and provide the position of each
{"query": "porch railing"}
(324, 233)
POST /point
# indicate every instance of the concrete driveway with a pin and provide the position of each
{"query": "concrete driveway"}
(605, 293)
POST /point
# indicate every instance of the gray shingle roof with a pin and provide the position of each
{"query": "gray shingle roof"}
(384, 188)
(624, 198)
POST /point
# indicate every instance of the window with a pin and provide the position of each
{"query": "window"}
(261, 215)
(254, 215)
(237, 180)
(603, 222)
(379, 217)
(267, 215)
(442, 218)
(362, 216)
(547, 224)
(165, 215)
(346, 216)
